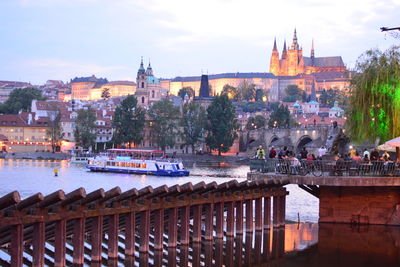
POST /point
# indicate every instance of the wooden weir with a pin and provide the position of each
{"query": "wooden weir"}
(163, 226)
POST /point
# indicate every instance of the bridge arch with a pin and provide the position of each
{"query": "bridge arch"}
(305, 139)
(273, 139)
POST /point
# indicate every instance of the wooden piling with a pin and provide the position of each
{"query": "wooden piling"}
(267, 212)
(97, 238)
(258, 214)
(158, 229)
(172, 227)
(230, 218)
(144, 231)
(38, 244)
(78, 241)
(184, 225)
(209, 221)
(239, 217)
(219, 217)
(17, 245)
(59, 243)
(197, 211)
(249, 215)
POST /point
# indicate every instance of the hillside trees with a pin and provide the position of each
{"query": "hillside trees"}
(128, 122)
(20, 99)
(193, 123)
(164, 117)
(85, 128)
(54, 132)
(222, 124)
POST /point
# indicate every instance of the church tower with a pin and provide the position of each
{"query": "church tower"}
(149, 71)
(141, 77)
(142, 93)
(295, 58)
(274, 63)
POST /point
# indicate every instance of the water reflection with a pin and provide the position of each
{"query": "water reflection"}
(294, 245)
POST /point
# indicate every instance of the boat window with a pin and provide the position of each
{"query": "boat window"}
(137, 165)
(113, 163)
(128, 164)
(117, 164)
(122, 164)
(108, 163)
(143, 165)
(177, 166)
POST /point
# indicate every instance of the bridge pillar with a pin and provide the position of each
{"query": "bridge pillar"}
(360, 204)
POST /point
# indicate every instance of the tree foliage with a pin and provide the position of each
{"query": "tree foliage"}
(54, 132)
(20, 99)
(280, 116)
(256, 122)
(374, 106)
(128, 122)
(294, 93)
(193, 123)
(251, 107)
(85, 127)
(163, 123)
(247, 91)
(186, 90)
(328, 97)
(222, 124)
(231, 92)
(105, 94)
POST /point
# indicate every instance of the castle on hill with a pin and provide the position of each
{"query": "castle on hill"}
(292, 62)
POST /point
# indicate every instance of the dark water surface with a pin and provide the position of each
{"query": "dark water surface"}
(304, 244)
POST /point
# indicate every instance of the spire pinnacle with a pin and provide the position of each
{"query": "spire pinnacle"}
(275, 44)
(295, 45)
(312, 53)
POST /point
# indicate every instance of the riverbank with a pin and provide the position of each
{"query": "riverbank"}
(36, 156)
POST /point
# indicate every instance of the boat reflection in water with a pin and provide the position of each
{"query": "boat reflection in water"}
(306, 244)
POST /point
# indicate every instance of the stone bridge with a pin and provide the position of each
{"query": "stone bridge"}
(293, 138)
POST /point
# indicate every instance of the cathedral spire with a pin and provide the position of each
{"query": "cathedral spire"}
(275, 44)
(295, 45)
(312, 48)
(284, 50)
(141, 68)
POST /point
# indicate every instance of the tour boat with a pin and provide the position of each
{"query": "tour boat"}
(137, 161)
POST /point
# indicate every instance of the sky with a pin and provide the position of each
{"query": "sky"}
(62, 39)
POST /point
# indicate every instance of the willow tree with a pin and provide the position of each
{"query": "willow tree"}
(374, 108)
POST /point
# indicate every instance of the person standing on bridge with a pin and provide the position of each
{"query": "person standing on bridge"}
(303, 153)
(260, 153)
(272, 153)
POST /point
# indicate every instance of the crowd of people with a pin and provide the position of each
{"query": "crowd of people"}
(303, 154)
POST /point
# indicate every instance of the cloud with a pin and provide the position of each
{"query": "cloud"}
(43, 69)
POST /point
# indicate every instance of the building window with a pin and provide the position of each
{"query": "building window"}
(152, 94)
(142, 84)
(142, 99)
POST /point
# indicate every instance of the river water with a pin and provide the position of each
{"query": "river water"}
(305, 244)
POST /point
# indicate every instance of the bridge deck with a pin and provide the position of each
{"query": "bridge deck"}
(326, 180)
